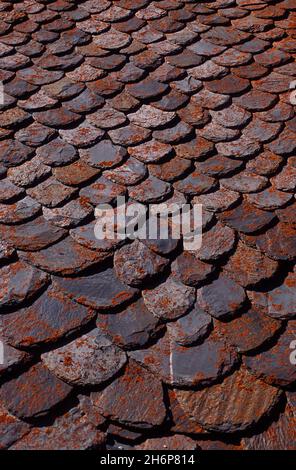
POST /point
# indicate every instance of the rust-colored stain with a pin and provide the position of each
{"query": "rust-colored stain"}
(159, 101)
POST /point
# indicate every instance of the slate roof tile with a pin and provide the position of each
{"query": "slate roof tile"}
(166, 101)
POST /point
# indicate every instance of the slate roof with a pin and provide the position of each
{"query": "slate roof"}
(144, 344)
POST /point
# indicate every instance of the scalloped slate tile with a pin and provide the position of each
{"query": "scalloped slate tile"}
(191, 328)
(12, 429)
(34, 393)
(217, 242)
(250, 331)
(247, 218)
(250, 267)
(222, 298)
(64, 258)
(169, 300)
(282, 299)
(20, 283)
(51, 317)
(190, 270)
(57, 153)
(236, 412)
(91, 359)
(14, 153)
(273, 365)
(31, 236)
(130, 328)
(135, 264)
(101, 291)
(61, 435)
(145, 411)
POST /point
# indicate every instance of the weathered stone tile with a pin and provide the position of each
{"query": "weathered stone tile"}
(34, 393)
(169, 300)
(246, 401)
(132, 327)
(222, 298)
(20, 283)
(71, 214)
(64, 258)
(51, 192)
(187, 366)
(150, 152)
(195, 149)
(135, 264)
(9, 191)
(150, 190)
(12, 429)
(279, 242)
(106, 118)
(170, 170)
(145, 411)
(269, 199)
(279, 436)
(57, 153)
(249, 331)
(62, 435)
(129, 173)
(85, 235)
(195, 183)
(273, 365)
(245, 182)
(129, 135)
(31, 236)
(217, 201)
(63, 89)
(29, 173)
(101, 291)
(112, 40)
(38, 76)
(191, 328)
(51, 317)
(282, 299)
(256, 100)
(75, 174)
(148, 116)
(81, 136)
(247, 218)
(91, 359)
(217, 242)
(57, 117)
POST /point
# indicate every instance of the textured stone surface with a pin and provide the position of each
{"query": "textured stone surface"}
(191, 328)
(20, 282)
(135, 264)
(273, 365)
(236, 412)
(114, 402)
(100, 291)
(250, 330)
(12, 428)
(65, 258)
(61, 435)
(172, 101)
(282, 299)
(89, 360)
(249, 267)
(50, 317)
(33, 393)
(222, 298)
(169, 300)
(130, 328)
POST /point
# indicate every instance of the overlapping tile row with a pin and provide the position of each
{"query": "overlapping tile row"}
(143, 344)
